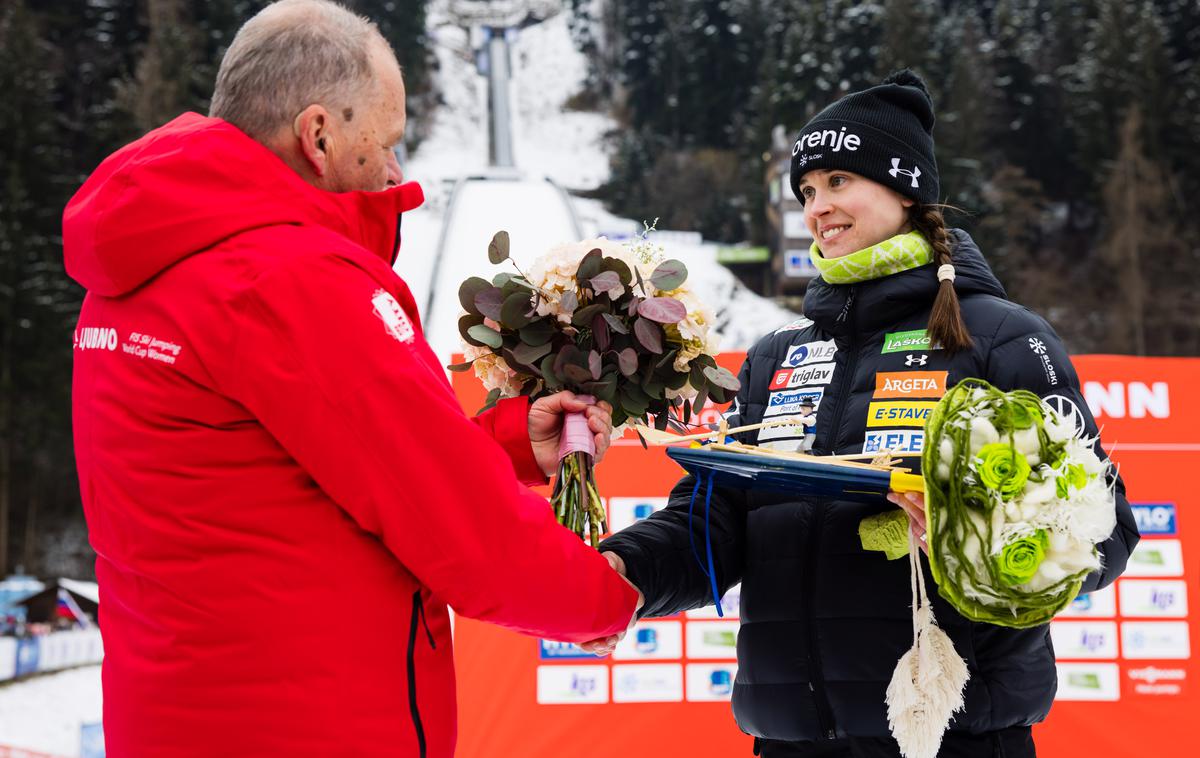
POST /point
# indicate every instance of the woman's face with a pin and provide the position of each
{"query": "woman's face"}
(846, 212)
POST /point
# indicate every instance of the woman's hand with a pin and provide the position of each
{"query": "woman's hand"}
(913, 504)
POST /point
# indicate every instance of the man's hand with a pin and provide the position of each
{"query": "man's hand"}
(913, 504)
(545, 426)
(602, 646)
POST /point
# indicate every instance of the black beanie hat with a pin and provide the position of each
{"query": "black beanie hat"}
(884, 133)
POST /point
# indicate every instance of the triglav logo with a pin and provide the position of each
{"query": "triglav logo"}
(895, 170)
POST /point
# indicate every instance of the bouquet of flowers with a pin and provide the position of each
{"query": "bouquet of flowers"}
(1017, 500)
(614, 322)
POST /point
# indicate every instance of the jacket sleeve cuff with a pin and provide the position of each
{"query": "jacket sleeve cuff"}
(508, 423)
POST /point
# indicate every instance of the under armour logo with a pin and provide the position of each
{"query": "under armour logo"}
(895, 170)
(1037, 346)
(916, 360)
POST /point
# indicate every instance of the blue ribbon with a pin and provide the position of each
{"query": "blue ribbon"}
(709, 571)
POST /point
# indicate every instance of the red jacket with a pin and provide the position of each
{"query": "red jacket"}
(281, 489)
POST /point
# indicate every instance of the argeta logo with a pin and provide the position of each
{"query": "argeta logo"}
(1037, 346)
(895, 170)
(916, 360)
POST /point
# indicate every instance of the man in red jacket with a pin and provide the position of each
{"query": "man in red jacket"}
(282, 492)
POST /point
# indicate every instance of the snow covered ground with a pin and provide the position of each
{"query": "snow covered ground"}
(45, 713)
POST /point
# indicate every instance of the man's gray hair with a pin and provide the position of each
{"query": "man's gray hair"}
(292, 54)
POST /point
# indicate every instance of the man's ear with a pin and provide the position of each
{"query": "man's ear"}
(311, 128)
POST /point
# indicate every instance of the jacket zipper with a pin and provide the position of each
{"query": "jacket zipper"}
(418, 617)
(816, 677)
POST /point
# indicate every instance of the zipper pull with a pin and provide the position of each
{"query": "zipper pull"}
(846, 308)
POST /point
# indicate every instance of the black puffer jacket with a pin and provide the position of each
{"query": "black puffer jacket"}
(823, 622)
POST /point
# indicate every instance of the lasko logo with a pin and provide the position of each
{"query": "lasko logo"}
(834, 140)
(1156, 557)
(1088, 681)
(812, 352)
(895, 170)
(911, 384)
(95, 338)
(1154, 518)
(905, 342)
(899, 441)
(899, 414)
(395, 320)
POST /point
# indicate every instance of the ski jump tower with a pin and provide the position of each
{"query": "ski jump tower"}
(493, 24)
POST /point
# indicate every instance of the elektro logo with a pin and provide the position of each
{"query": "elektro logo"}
(911, 384)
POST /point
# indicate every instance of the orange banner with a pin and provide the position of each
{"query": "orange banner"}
(1126, 672)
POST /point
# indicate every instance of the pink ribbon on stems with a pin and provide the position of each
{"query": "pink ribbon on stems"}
(576, 437)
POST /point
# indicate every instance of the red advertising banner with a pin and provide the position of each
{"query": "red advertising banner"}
(1127, 676)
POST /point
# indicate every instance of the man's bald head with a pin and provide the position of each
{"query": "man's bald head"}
(292, 54)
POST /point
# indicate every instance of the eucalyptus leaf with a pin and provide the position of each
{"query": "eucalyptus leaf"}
(489, 301)
(583, 317)
(569, 301)
(460, 367)
(668, 357)
(620, 268)
(669, 275)
(649, 334)
(553, 380)
(501, 279)
(722, 377)
(468, 290)
(491, 399)
(615, 323)
(538, 332)
(600, 332)
(594, 364)
(664, 310)
(576, 373)
(604, 281)
(627, 361)
(487, 335)
(589, 265)
(513, 312)
(498, 248)
(530, 354)
(465, 322)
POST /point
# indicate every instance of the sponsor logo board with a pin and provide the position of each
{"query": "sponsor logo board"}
(1154, 640)
(552, 650)
(730, 606)
(915, 340)
(1098, 604)
(627, 511)
(809, 352)
(1088, 681)
(651, 640)
(899, 441)
(898, 413)
(710, 682)
(715, 640)
(804, 376)
(911, 384)
(1156, 519)
(1152, 680)
(1165, 598)
(1084, 639)
(1156, 558)
(647, 683)
(572, 684)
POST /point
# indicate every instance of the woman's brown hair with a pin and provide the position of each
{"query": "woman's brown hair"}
(946, 326)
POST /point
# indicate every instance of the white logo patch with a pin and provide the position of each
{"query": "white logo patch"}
(809, 352)
(895, 170)
(1070, 412)
(394, 319)
(916, 360)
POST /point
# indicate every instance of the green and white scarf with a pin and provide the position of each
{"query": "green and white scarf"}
(900, 253)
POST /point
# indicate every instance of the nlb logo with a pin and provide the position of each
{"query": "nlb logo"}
(1154, 518)
(810, 352)
(911, 384)
(1128, 399)
(899, 414)
(95, 338)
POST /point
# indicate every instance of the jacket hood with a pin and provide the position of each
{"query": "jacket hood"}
(196, 181)
(880, 302)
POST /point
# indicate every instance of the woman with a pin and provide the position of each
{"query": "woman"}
(903, 309)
